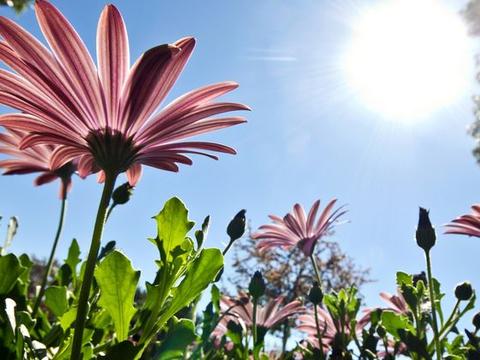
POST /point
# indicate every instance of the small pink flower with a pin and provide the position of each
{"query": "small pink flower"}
(466, 224)
(35, 159)
(240, 310)
(298, 229)
(105, 114)
(328, 328)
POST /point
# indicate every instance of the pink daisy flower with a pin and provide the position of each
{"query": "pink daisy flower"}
(298, 229)
(466, 224)
(105, 115)
(241, 311)
(35, 159)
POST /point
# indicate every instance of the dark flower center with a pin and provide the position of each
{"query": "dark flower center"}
(66, 171)
(112, 151)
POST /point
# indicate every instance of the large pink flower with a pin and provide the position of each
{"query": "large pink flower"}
(466, 224)
(240, 310)
(35, 159)
(106, 116)
(298, 229)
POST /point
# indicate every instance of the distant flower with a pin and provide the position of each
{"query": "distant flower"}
(240, 311)
(466, 224)
(106, 117)
(329, 328)
(396, 303)
(298, 229)
(35, 159)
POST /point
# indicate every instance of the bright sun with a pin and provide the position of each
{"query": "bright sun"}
(409, 58)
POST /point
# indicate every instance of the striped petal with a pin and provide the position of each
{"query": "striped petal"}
(113, 58)
(73, 57)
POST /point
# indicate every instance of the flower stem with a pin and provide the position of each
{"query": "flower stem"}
(49, 266)
(317, 272)
(82, 310)
(432, 301)
(319, 335)
(254, 324)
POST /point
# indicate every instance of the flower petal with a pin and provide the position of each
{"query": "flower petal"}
(73, 58)
(113, 58)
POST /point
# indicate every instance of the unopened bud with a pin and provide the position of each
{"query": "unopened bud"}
(476, 320)
(419, 277)
(236, 227)
(425, 232)
(121, 195)
(257, 285)
(463, 291)
(381, 331)
(316, 294)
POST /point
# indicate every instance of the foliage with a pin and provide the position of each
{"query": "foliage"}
(118, 326)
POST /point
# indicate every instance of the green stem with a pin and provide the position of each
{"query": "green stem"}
(48, 269)
(90, 266)
(254, 324)
(319, 335)
(229, 245)
(110, 211)
(438, 350)
(317, 272)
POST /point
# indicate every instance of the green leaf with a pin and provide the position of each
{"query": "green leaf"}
(117, 281)
(394, 322)
(10, 270)
(173, 226)
(56, 299)
(201, 272)
(404, 278)
(180, 334)
(73, 257)
(68, 318)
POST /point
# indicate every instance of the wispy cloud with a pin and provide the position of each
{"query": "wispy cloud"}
(272, 58)
(274, 55)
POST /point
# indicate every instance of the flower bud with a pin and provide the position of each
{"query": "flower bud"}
(121, 195)
(257, 285)
(476, 320)
(316, 294)
(463, 291)
(381, 331)
(417, 277)
(425, 232)
(236, 227)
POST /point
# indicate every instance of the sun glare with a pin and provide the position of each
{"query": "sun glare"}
(409, 58)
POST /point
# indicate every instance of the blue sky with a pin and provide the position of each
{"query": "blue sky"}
(307, 138)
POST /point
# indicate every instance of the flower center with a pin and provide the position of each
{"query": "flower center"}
(112, 151)
(66, 171)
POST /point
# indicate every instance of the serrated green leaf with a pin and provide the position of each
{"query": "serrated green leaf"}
(180, 334)
(172, 226)
(10, 270)
(117, 281)
(200, 274)
(56, 299)
(404, 278)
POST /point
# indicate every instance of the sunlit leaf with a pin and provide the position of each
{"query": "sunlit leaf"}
(117, 281)
(56, 299)
(202, 271)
